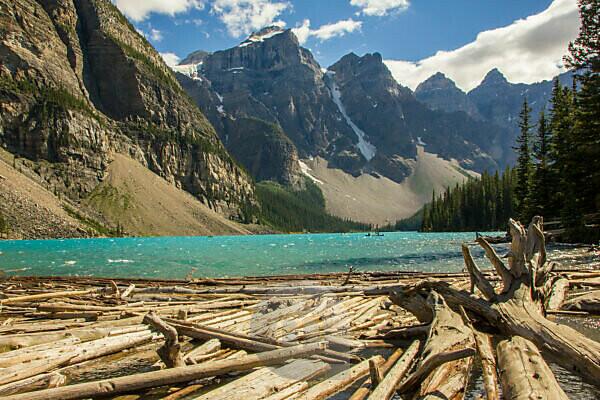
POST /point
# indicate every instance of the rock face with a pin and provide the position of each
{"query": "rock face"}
(396, 122)
(354, 115)
(495, 100)
(77, 82)
(441, 93)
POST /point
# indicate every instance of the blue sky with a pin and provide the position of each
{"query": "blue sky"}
(409, 33)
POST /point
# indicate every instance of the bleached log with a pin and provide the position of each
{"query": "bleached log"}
(449, 343)
(33, 368)
(208, 347)
(488, 365)
(339, 382)
(267, 381)
(363, 391)
(171, 376)
(38, 382)
(524, 373)
(170, 352)
(588, 302)
(46, 296)
(127, 292)
(386, 388)
(557, 294)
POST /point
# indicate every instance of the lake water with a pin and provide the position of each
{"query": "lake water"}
(230, 256)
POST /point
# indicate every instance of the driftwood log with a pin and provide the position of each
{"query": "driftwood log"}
(517, 309)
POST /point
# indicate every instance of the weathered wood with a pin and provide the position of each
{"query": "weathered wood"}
(488, 365)
(375, 373)
(38, 382)
(477, 278)
(557, 294)
(171, 376)
(363, 391)
(387, 387)
(267, 381)
(339, 382)
(588, 302)
(524, 373)
(170, 352)
(46, 296)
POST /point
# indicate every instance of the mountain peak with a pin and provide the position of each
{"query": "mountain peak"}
(263, 34)
(435, 82)
(494, 77)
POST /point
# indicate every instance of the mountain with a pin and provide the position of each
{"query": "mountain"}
(495, 100)
(441, 93)
(79, 87)
(269, 95)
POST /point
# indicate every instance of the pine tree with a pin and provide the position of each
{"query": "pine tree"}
(524, 163)
(584, 52)
(539, 196)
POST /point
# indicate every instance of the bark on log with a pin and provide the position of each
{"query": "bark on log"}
(524, 373)
(386, 389)
(169, 376)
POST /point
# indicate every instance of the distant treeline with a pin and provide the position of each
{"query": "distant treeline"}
(477, 205)
(558, 168)
(290, 210)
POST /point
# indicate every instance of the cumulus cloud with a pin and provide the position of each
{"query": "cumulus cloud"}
(529, 50)
(326, 32)
(242, 17)
(138, 10)
(171, 59)
(380, 8)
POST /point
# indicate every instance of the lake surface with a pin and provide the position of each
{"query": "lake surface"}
(231, 256)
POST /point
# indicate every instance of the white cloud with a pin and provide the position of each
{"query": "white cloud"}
(326, 32)
(529, 50)
(242, 17)
(380, 8)
(138, 10)
(171, 59)
(156, 35)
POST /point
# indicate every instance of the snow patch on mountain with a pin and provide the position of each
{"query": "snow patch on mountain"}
(191, 70)
(367, 149)
(261, 36)
(306, 171)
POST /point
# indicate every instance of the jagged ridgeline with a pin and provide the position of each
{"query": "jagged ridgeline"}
(78, 84)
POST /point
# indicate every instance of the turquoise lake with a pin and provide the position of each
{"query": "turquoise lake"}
(234, 256)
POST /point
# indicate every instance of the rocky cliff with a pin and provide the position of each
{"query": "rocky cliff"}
(78, 83)
(495, 100)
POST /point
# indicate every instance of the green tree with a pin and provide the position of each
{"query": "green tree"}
(541, 184)
(584, 51)
(524, 163)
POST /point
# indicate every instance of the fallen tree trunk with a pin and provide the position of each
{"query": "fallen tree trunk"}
(524, 373)
(488, 365)
(519, 310)
(170, 352)
(169, 376)
(588, 302)
(440, 367)
(386, 388)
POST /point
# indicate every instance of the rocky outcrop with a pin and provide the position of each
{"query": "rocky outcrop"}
(441, 93)
(77, 82)
(395, 122)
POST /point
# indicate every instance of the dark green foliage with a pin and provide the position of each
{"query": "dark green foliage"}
(412, 223)
(524, 165)
(539, 196)
(476, 205)
(291, 210)
(584, 52)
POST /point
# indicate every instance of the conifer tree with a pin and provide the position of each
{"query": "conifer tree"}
(524, 163)
(539, 195)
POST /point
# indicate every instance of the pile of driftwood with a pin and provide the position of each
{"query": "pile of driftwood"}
(366, 336)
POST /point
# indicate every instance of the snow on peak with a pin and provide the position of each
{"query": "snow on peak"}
(191, 70)
(367, 149)
(262, 35)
